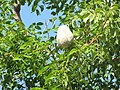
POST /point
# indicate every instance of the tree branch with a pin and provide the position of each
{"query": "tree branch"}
(92, 41)
(105, 22)
(17, 8)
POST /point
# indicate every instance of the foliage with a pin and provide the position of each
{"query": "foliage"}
(29, 60)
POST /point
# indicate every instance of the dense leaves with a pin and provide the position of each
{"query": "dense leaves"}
(30, 59)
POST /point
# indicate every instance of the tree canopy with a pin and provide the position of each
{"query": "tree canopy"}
(30, 58)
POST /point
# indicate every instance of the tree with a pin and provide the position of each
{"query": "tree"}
(29, 62)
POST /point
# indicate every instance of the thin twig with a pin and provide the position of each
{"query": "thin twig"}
(87, 32)
(105, 22)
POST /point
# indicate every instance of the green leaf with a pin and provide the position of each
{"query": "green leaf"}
(86, 19)
(22, 46)
(29, 2)
(72, 51)
(50, 77)
(91, 17)
(42, 70)
(27, 56)
(38, 27)
(53, 13)
(37, 88)
(34, 6)
(84, 12)
(39, 23)
(41, 7)
(16, 58)
(37, 12)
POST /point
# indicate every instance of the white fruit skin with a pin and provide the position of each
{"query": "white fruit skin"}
(64, 36)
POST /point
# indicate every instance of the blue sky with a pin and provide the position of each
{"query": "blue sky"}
(28, 18)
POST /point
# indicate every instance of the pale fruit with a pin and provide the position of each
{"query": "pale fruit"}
(64, 36)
